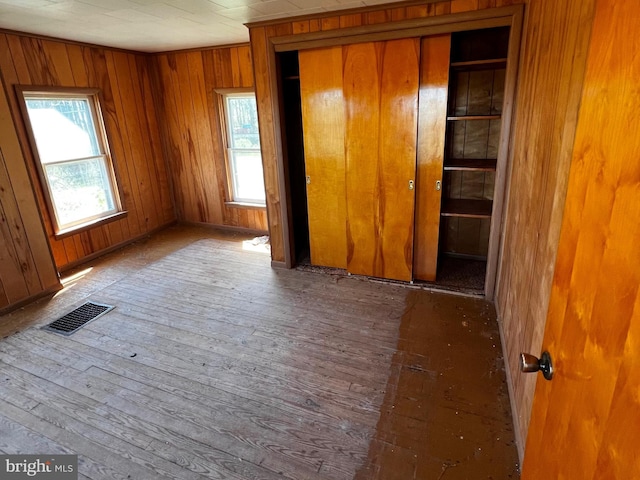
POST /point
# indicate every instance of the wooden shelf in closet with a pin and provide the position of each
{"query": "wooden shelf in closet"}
(471, 164)
(492, 63)
(474, 117)
(455, 207)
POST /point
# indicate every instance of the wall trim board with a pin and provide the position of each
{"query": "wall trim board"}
(126, 50)
(113, 248)
(225, 228)
(71, 42)
(417, 27)
(505, 153)
(347, 11)
(520, 442)
(26, 301)
(267, 66)
(199, 49)
(279, 265)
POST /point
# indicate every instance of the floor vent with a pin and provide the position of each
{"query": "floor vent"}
(78, 318)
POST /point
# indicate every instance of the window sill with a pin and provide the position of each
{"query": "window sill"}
(88, 226)
(255, 206)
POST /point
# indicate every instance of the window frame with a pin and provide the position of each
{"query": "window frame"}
(95, 100)
(230, 197)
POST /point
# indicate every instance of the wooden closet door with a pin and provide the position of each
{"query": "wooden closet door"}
(323, 132)
(432, 125)
(381, 107)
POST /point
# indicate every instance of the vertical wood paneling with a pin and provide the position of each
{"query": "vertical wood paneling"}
(550, 81)
(434, 84)
(591, 410)
(113, 115)
(323, 127)
(381, 108)
(150, 123)
(26, 262)
(266, 108)
(193, 129)
(134, 144)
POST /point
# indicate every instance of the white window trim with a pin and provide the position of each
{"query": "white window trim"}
(231, 198)
(94, 101)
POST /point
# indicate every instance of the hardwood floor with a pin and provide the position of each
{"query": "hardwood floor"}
(215, 365)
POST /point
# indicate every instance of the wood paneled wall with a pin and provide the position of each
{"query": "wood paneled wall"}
(260, 35)
(26, 263)
(193, 135)
(132, 126)
(550, 82)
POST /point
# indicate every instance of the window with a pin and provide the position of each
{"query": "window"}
(70, 145)
(244, 161)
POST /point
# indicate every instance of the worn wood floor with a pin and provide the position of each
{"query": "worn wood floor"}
(214, 365)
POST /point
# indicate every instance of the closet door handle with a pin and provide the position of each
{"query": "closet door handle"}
(411, 185)
(438, 185)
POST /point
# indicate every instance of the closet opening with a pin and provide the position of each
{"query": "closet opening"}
(474, 111)
(293, 152)
(351, 196)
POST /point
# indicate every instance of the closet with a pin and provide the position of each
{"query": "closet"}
(400, 147)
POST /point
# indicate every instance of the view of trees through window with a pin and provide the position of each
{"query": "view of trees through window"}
(73, 161)
(244, 158)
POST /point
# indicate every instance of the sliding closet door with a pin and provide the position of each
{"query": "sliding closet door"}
(380, 86)
(432, 124)
(323, 131)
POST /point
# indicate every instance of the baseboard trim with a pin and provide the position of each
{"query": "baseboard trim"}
(26, 301)
(278, 264)
(113, 248)
(514, 412)
(226, 228)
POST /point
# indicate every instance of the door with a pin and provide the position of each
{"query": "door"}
(585, 423)
(359, 117)
(323, 132)
(381, 115)
(432, 125)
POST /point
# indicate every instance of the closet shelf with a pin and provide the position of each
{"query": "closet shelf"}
(471, 164)
(474, 117)
(455, 207)
(490, 63)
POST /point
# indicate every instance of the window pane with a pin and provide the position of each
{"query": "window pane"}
(63, 128)
(248, 184)
(243, 122)
(80, 190)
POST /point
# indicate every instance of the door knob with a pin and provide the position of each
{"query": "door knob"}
(529, 363)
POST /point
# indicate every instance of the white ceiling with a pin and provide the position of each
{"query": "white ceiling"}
(156, 25)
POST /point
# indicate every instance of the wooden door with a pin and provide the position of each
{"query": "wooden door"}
(585, 423)
(381, 114)
(432, 124)
(323, 132)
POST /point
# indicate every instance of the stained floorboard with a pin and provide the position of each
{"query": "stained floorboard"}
(215, 365)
